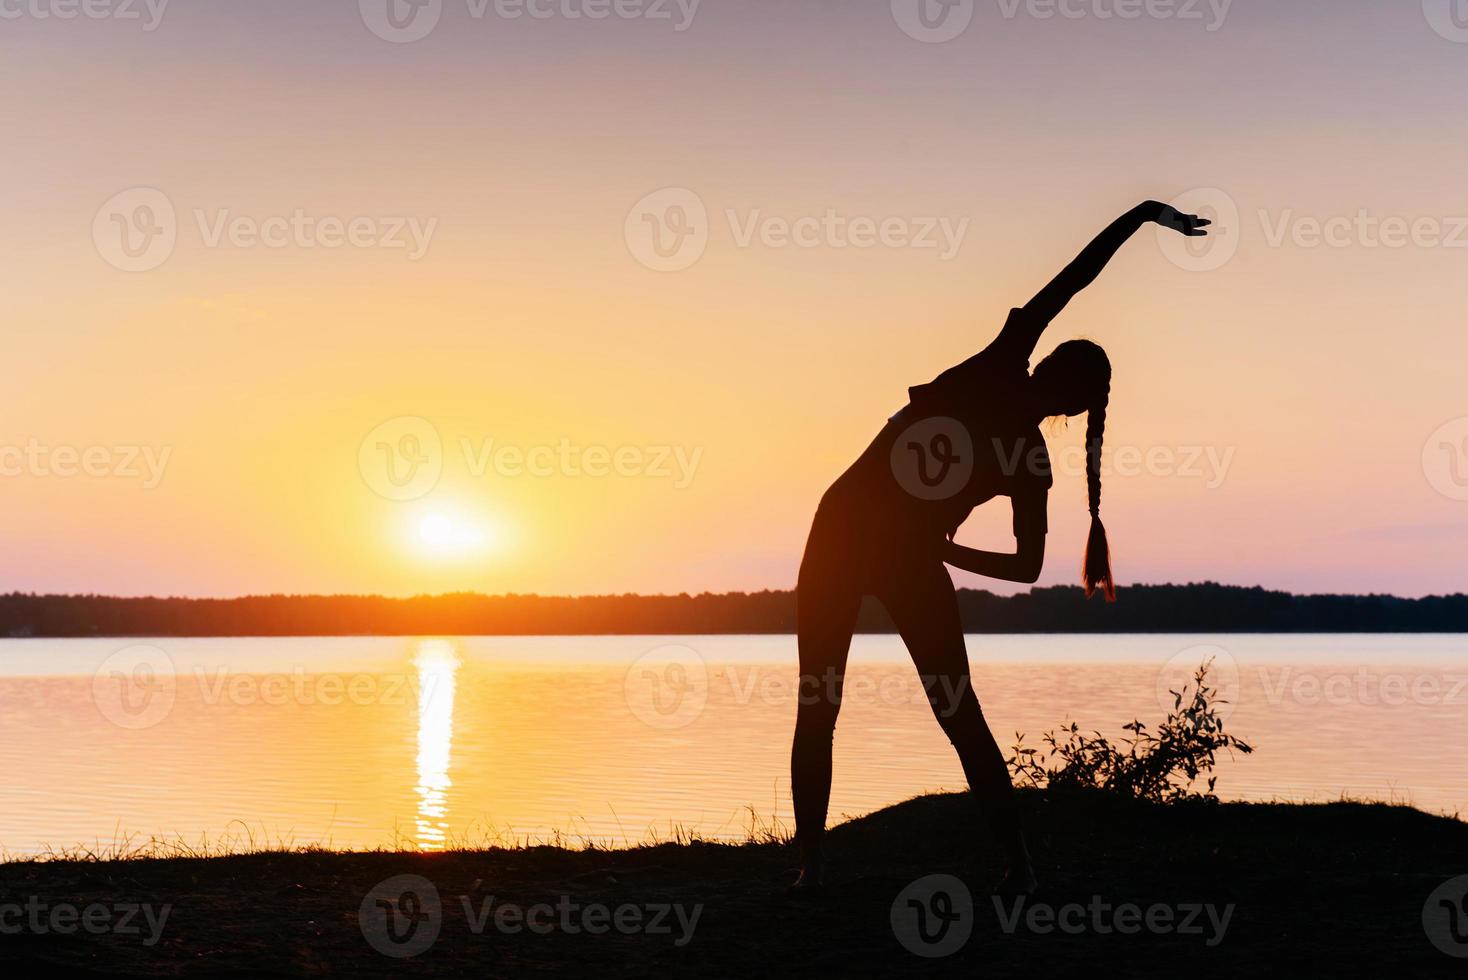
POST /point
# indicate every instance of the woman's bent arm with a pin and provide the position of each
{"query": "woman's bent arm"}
(1022, 566)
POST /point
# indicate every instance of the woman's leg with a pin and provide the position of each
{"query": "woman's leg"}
(827, 602)
(923, 604)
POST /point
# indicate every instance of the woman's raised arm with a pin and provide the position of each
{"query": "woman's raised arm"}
(1084, 269)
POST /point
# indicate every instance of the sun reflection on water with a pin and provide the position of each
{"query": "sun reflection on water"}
(437, 662)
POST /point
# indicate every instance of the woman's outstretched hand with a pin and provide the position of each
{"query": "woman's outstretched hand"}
(1170, 217)
(1084, 269)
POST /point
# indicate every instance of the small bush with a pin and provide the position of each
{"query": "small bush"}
(1158, 768)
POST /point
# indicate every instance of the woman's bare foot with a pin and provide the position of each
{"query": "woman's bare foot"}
(809, 883)
(811, 878)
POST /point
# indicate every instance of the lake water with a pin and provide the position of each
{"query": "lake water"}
(366, 742)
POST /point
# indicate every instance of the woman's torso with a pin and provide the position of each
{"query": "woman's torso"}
(962, 440)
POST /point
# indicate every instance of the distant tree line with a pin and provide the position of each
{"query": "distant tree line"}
(1200, 608)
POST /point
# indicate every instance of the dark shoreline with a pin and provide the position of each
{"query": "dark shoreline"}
(1204, 608)
(1307, 890)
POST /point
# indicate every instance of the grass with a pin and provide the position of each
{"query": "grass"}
(1320, 888)
(759, 830)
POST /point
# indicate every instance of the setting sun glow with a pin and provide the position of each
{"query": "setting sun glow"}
(445, 533)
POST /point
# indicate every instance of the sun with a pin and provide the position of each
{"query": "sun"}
(444, 533)
(436, 530)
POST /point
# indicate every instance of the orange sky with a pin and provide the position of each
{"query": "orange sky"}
(524, 315)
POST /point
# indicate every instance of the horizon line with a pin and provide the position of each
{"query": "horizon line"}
(1206, 583)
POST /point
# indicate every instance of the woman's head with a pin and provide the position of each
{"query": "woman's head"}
(1076, 378)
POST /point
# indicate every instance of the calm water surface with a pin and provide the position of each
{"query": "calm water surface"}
(364, 742)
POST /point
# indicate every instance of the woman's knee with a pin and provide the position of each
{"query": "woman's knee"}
(818, 704)
(951, 695)
(960, 717)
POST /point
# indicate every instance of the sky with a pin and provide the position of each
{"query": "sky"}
(574, 297)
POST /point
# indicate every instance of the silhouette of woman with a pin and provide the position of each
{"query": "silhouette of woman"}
(886, 527)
